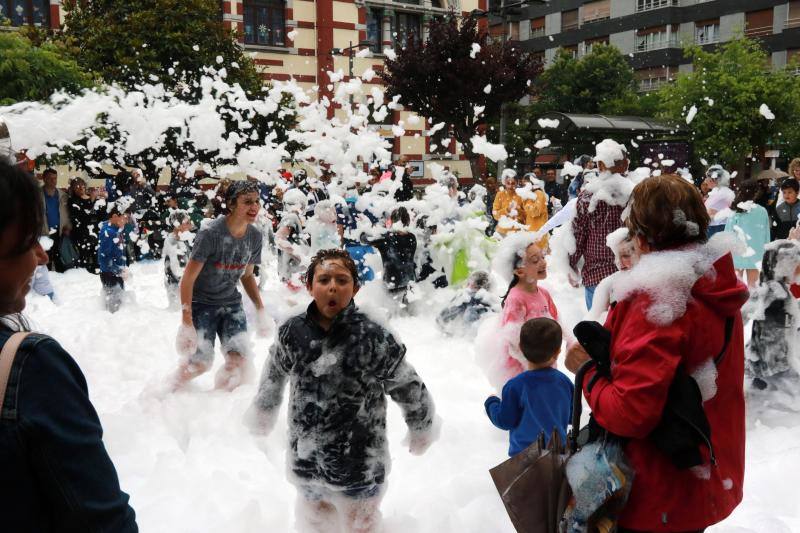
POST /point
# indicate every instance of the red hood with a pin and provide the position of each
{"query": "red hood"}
(723, 292)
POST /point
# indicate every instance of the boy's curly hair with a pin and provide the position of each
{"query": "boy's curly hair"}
(331, 255)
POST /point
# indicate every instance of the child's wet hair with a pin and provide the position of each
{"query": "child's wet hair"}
(332, 254)
(479, 279)
(540, 339)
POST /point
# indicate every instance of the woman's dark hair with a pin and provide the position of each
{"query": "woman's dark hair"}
(514, 280)
(668, 211)
(401, 214)
(331, 254)
(747, 192)
(23, 206)
(75, 182)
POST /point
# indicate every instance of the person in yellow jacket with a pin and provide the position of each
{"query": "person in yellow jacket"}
(507, 209)
(534, 205)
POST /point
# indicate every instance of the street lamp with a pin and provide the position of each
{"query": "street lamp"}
(349, 50)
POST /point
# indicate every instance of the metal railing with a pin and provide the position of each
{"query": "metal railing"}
(597, 16)
(672, 42)
(537, 32)
(761, 31)
(707, 39)
(649, 5)
(652, 84)
(792, 23)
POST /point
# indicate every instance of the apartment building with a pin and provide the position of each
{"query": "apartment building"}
(652, 33)
(302, 40)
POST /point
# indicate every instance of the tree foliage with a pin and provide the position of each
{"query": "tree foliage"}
(176, 43)
(728, 87)
(171, 41)
(440, 79)
(29, 72)
(601, 81)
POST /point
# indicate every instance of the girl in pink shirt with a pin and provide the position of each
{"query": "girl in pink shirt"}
(524, 300)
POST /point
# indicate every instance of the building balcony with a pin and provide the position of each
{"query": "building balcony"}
(599, 16)
(792, 23)
(706, 39)
(762, 31)
(652, 84)
(649, 5)
(659, 45)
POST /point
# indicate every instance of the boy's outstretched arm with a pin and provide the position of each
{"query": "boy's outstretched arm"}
(408, 390)
(261, 415)
(506, 413)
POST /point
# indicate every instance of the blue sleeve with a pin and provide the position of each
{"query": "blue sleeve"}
(109, 253)
(70, 463)
(505, 413)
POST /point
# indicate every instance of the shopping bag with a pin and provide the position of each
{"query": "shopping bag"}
(533, 486)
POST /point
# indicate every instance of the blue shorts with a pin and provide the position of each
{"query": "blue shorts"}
(226, 321)
(315, 493)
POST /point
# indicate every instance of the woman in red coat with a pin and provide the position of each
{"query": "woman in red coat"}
(669, 315)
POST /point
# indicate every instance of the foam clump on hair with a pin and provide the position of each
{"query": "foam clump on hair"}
(511, 249)
(668, 277)
(609, 151)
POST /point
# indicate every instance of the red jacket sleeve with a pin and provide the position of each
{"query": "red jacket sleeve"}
(644, 361)
(795, 290)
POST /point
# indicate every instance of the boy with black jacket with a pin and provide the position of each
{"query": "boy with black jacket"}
(341, 365)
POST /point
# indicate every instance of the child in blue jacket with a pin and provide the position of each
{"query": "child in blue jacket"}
(540, 399)
(111, 255)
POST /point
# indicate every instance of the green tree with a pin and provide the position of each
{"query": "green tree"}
(727, 87)
(601, 81)
(172, 41)
(175, 43)
(449, 80)
(29, 72)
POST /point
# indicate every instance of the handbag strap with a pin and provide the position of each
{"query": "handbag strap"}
(728, 335)
(7, 356)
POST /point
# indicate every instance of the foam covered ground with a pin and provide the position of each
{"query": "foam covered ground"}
(190, 466)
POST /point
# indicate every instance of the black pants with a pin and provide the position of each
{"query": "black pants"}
(113, 287)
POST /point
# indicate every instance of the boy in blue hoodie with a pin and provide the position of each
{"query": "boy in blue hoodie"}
(111, 255)
(540, 399)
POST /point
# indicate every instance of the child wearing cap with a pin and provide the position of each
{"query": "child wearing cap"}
(225, 251)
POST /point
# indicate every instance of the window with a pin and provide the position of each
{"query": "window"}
(513, 31)
(758, 23)
(647, 5)
(264, 22)
(537, 27)
(707, 32)
(25, 12)
(569, 20)
(407, 26)
(595, 11)
(374, 28)
(572, 51)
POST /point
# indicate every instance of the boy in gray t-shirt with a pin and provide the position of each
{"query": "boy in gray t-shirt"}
(225, 252)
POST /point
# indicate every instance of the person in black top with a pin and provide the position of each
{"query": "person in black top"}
(555, 191)
(84, 219)
(398, 247)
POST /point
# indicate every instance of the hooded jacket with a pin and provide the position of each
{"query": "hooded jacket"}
(646, 352)
(507, 204)
(337, 403)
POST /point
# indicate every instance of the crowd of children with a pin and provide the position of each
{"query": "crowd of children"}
(341, 364)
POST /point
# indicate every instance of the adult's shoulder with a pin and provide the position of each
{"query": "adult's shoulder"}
(45, 361)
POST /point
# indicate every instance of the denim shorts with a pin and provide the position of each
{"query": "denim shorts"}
(226, 321)
(317, 493)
